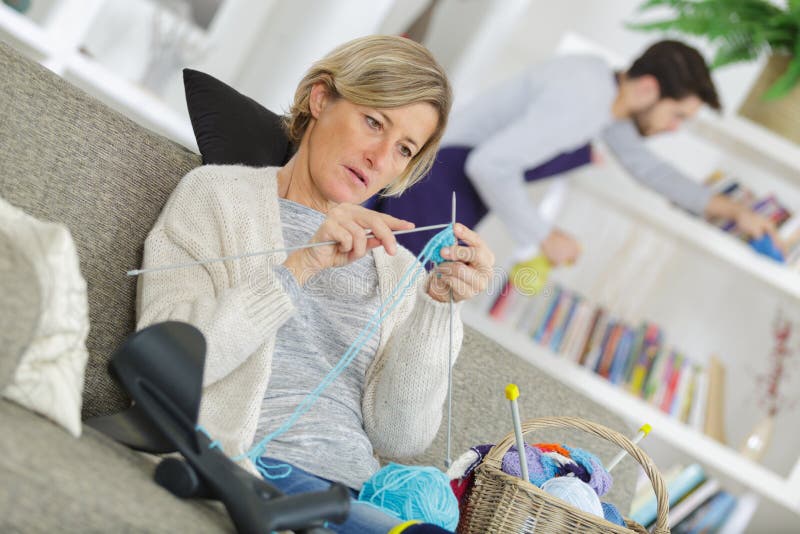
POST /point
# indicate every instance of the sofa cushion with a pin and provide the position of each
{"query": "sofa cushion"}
(230, 127)
(53, 482)
(66, 157)
(49, 376)
(19, 305)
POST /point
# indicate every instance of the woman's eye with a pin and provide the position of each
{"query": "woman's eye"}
(405, 151)
(373, 123)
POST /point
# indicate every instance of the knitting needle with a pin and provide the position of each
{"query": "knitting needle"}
(449, 459)
(137, 272)
(643, 431)
(512, 393)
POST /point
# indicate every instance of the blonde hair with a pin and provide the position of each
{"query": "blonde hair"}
(379, 71)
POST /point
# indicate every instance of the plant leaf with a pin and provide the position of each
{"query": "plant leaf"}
(785, 83)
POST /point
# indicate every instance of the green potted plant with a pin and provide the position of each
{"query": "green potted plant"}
(743, 30)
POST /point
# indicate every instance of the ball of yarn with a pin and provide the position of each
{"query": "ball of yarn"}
(612, 515)
(540, 468)
(413, 492)
(601, 480)
(576, 492)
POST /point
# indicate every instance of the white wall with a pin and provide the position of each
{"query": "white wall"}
(298, 33)
(538, 28)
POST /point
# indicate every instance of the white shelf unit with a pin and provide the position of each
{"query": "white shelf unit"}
(783, 491)
(760, 159)
(55, 44)
(612, 185)
(739, 133)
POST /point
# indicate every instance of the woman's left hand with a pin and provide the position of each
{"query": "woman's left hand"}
(466, 270)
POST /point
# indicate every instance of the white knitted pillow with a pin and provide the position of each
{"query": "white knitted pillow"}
(49, 376)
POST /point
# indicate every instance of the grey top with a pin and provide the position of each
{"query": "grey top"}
(552, 107)
(329, 440)
(628, 146)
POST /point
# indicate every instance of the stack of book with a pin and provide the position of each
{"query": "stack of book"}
(634, 357)
(697, 503)
(767, 205)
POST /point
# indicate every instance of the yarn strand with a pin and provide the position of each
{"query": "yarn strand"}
(430, 253)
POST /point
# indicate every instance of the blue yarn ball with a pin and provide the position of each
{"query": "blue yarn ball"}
(612, 515)
(413, 492)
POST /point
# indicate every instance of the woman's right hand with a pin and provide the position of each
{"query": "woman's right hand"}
(347, 224)
(560, 248)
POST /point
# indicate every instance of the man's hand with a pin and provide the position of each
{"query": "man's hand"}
(560, 248)
(754, 225)
(747, 221)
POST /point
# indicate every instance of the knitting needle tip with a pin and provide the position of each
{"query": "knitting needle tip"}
(644, 430)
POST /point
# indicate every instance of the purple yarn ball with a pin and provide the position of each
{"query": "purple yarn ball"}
(540, 468)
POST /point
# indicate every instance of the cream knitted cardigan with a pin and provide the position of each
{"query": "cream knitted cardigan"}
(239, 306)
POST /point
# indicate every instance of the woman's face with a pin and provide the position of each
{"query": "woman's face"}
(355, 151)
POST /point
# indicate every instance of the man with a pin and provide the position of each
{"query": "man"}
(539, 123)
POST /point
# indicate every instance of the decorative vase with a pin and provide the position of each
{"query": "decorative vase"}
(782, 116)
(758, 440)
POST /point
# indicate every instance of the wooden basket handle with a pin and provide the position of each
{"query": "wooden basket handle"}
(495, 456)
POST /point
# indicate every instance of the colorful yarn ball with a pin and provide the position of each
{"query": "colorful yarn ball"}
(575, 492)
(600, 479)
(413, 492)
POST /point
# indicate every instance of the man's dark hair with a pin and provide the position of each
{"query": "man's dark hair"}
(680, 70)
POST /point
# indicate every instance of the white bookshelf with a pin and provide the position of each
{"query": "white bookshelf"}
(611, 183)
(737, 132)
(55, 44)
(23, 32)
(783, 491)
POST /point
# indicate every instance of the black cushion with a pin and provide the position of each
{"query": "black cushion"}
(230, 127)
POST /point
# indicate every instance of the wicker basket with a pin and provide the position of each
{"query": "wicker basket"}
(499, 502)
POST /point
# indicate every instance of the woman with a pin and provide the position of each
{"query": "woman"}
(366, 117)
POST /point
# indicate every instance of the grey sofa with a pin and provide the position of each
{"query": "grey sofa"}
(66, 157)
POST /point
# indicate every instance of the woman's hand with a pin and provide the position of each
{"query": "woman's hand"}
(347, 224)
(467, 270)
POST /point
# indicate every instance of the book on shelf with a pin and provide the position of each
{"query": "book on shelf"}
(687, 480)
(714, 425)
(740, 517)
(635, 358)
(644, 488)
(710, 516)
(697, 503)
(692, 501)
(768, 205)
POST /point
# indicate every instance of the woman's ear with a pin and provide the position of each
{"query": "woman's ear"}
(318, 99)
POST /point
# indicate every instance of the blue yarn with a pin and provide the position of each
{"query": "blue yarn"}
(215, 444)
(430, 253)
(273, 471)
(405, 492)
(413, 492)
(612, 515)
